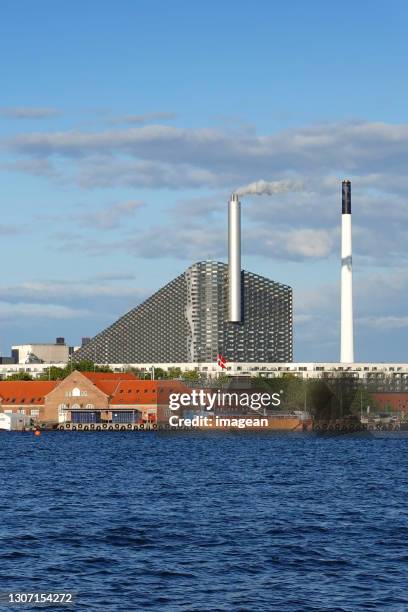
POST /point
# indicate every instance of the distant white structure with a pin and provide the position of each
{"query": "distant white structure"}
(347, 342)
(41, 353)
(373, 370)
(13, 421)
(274, 370)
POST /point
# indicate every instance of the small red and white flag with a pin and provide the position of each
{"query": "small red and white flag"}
(221, 361)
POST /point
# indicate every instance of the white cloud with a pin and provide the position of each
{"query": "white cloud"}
(28, 112)
(48, 311)
(35, 167)
(111, 217)
(144, 118)
(308, 243)
(319, 299)
(288, 243)
(294, 226)
(191, 241)
(146, 174)
(384, 322)
(351, 146)
(178, 242)
(68, 291)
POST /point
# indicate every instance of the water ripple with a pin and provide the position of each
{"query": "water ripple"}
(206, 523)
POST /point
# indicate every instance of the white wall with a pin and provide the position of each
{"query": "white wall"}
(49, 353)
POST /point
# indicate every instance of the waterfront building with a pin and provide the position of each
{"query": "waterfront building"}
(25, 397)
(88, 400)
(85, 398)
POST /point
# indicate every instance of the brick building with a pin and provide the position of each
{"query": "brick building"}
(25, 397)
(391, 402)
(85, 398)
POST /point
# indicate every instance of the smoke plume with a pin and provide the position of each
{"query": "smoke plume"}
(269, 187)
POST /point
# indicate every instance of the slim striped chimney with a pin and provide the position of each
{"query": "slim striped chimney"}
(234, 259)
(347, 342)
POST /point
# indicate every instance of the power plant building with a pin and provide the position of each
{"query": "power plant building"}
(187, 321)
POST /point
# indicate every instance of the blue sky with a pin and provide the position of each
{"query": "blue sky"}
(124, 127)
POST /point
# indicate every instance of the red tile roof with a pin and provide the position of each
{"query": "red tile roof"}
(145, 391)
(135, 392)
(122, 389)
(107, 386)
(29, 392)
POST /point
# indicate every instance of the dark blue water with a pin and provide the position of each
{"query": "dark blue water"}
(220, 522)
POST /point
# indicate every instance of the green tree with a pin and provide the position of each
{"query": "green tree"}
(160, 374)
(86, 365)
(174, 373)
(54, 373)
(222, 378)
(363, 399)
(191, 375)
(294, 396)
(20, 376)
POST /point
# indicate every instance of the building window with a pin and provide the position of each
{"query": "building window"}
(75, 392)
(21, 411)
(35, 412)
(90, 406)
(125, 416)
(85, 417)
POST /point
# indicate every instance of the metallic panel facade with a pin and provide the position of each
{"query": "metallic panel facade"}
(187, 321)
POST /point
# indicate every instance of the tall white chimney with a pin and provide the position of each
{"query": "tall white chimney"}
(234, 258)
(347, 342)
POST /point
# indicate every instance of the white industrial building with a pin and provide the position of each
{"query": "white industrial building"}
(55, 353)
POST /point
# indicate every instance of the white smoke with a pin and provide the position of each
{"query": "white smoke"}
(270, 187)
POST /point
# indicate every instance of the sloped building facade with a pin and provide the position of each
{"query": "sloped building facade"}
(187, 321)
